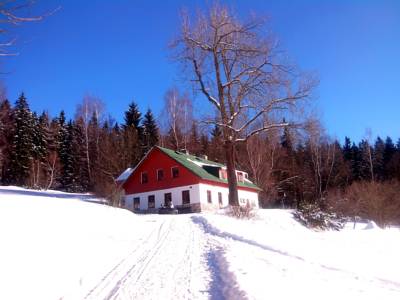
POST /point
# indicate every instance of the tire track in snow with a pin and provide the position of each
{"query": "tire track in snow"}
(111, 279)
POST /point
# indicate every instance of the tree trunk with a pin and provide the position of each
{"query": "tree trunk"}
(230, 169)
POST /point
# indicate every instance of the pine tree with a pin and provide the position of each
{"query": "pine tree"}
(6, 130)
(286, 139)
(81, 180)
(94, 147)
(64, 150)
(217, 152)
(150, 131)
(390, 150)
(22, 143)
(194, 141)
(355, 162)
(205, 144)
(347, 153)
(40, 151)
(378, 159)
(133, 118)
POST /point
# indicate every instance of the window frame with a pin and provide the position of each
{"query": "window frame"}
(148, 201)
(141, 177)
(209, 196)
(136, 204)
(185, 192)
(172, 172)
(165, 198)
(157, 174)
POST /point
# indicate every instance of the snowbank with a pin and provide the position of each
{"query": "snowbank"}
(275, 256)
(54, 245)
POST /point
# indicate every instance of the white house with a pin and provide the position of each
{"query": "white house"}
(191, 183)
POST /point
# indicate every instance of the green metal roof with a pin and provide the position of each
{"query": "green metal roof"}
(194, 164)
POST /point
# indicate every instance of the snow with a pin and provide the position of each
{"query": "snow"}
(124, 176)
(54, 245)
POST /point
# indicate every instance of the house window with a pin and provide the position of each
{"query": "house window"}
(220, 199)
(186, 197)
(160, 174)
(224, 175)
(144, 177)
(136, 203)
(167, 199)
(240, 176)
(123, 202)
(175, 172)
(209, 198)
(151, 201)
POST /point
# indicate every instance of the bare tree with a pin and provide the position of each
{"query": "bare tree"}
(178, 116)
(90, 107)
(12, 14)
(241, 72)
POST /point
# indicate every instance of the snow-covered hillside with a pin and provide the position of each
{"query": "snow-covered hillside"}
(55, 246)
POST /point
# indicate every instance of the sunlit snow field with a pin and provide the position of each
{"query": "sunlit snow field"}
(54, 245)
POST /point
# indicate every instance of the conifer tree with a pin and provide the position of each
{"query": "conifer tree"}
(150, 131)
(81, 180)
(217, 150)
(205, 144)
(194, 140)
(378, 159)
(40, 150)
(22, 143)
(390, 150)
(6, 129)
(133, 118)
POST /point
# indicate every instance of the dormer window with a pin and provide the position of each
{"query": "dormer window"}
(144, 177)
(240, 176)
(175, 172)
(223, 174)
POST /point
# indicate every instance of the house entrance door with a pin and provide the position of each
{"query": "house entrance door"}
(167, 199)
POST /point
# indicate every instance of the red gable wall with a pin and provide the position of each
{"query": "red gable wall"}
(158, 160)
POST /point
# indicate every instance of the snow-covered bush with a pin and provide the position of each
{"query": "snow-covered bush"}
(312, 216)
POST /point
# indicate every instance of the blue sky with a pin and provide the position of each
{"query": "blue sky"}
(117, 50)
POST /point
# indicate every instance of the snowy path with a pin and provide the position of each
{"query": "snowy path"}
(54, 246)
(173, 259)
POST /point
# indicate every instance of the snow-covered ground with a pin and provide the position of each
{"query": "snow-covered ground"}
(55, 246)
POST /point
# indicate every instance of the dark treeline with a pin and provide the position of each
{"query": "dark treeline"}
(79, 155)
(292, 166)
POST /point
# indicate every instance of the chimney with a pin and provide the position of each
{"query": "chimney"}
(185, 151)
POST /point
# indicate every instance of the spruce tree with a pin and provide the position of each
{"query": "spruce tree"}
(6, 134)
(80, 166)
(194, 140)
(150, 131)
(217, 152)
(22, 143)
(378, 159)
(40, 150)
(390, 150)
(133, 118)
(63, 146)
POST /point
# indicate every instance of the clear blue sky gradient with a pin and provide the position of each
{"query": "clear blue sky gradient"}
(117, 50)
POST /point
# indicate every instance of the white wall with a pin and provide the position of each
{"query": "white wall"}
(251, 197)
(198, 194)
(159, 197)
